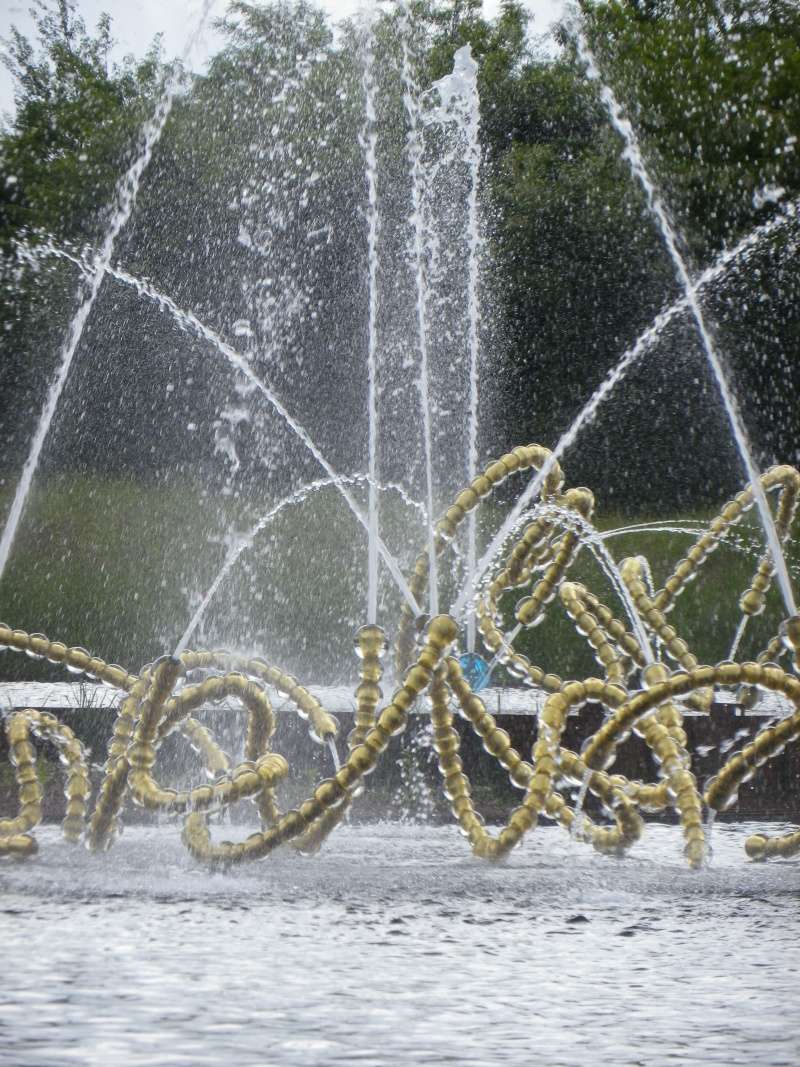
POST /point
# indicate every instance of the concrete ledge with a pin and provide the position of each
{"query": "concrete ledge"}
(339, 700)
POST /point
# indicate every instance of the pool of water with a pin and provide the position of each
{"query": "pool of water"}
(394, 946)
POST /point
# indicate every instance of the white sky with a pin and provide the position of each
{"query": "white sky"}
(136, 22)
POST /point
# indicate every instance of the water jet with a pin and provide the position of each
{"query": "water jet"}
(650, 678)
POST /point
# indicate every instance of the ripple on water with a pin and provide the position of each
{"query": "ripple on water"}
(395, 946)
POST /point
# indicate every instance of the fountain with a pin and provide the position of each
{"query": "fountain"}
(649, 680)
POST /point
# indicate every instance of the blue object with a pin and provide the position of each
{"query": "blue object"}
(475, 669)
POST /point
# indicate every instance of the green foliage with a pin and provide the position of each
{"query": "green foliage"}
(76, 117)
(577, 269)
(712, 88)
(76, 121)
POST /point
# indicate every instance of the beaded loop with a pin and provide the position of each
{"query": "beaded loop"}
(635, 693)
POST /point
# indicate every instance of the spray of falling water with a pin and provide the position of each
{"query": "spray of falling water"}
(126, 193)
(737, 637)
(240, 545)
(635, 159)
(592, 538)
(578, 819)
(415, 148)
(474, 310)
(369, 140)
(461, 104)
(617, 373)
(190, 323)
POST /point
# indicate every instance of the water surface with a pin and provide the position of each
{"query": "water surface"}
(394, 946)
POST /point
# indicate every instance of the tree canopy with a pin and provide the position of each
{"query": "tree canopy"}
(712, 88)
(76, 115)
(577, 268)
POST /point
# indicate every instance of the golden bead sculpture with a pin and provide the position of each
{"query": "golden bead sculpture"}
(639, 691)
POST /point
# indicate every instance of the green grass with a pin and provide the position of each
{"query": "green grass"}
(119, 567)
(101, 564)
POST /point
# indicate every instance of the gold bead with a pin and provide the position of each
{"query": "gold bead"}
(497, 472)
(329, 793)
(728, 673)
(293, 823)
(521, 820)
(442, 631)
(755, 846)
(467, 499)
(392, 719)
(347, 776)
(654, 674)
(752, 602)
(310, 810)
(498, 742)
(574, 693)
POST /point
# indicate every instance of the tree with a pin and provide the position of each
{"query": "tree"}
(76, 115)
(576, 270)
(712, 88)
(75, 122)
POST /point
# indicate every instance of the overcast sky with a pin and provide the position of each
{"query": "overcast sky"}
(136, 22)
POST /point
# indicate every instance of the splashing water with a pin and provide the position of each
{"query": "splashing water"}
(577, 820)
(633, 155)
(126, 193)
(617, 373)
(460, 104)
(369, 141)
(593, 539)
(240, 545)
(415, 150)
(190, 323)
(731, 539)
(337, 764)
(737, 637)
(708, 830)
